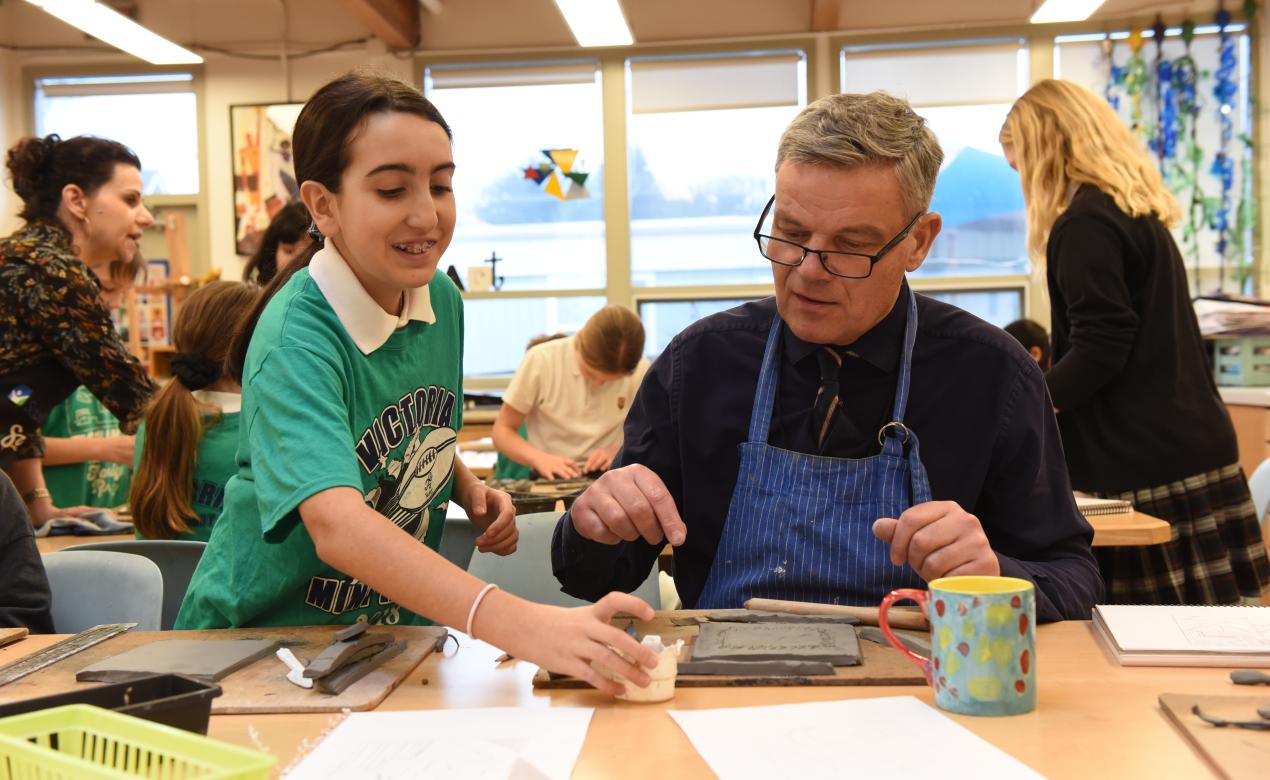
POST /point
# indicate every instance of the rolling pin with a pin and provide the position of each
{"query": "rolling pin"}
(899, 617)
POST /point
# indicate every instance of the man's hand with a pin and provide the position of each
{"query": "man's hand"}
(491, 511)
(938, 539)
(600, 459)
(628, 504)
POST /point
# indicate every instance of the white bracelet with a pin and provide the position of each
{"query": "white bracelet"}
(476, 602)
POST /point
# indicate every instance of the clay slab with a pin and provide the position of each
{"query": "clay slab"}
(836, 644)
(206, 659)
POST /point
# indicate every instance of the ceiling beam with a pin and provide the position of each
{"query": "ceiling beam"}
(824, 15)
(395, 22)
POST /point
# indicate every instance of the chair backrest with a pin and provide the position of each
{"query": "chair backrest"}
(176, 559)
(527, 572)
(1259, 484)
(459, 539)
(97, 587)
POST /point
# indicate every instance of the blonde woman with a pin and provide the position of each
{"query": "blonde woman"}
(573, 395)
(1137, 406)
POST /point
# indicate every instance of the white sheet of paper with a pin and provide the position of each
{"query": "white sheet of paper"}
(494, 743)
(896, 736)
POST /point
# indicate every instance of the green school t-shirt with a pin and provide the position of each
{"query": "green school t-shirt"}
(91, 483)
(213, 467)
(317, 414)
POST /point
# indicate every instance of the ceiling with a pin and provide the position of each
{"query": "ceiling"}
(528, 24)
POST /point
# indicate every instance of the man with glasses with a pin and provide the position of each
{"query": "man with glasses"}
(776, 445)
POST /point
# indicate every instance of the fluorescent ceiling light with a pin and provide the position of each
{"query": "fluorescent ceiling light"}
(1065, 11)
(119, 31)
(596, 22)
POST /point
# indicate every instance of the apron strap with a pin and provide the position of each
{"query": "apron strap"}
(765, 393)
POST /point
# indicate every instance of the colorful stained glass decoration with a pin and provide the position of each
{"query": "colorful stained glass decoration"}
(557, 177)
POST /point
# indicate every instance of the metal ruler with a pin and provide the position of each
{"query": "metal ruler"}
(60, 651)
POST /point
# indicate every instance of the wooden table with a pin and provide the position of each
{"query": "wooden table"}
(1131, 529)
(50, 544)
(1093, 718)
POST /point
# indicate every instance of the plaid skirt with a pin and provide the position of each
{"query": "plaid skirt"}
(1216, 555)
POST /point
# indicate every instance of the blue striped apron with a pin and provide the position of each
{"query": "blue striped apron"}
(799, 526)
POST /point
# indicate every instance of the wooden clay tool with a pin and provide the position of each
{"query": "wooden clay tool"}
(913, 619)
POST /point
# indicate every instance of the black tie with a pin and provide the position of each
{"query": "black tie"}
(827, 396)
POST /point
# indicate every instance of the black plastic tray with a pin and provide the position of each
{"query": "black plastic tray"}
(171, 699)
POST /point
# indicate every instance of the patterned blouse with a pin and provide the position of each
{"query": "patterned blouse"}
(54, 335)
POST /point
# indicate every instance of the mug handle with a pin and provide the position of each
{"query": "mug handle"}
(922, 598)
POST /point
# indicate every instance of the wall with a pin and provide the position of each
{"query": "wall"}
(10, 130)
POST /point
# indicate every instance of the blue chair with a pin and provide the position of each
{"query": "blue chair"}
(527, 572)
(98, 587)
(176, 559)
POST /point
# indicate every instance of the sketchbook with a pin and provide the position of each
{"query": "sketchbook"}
(1096, 507)
(1140, 635)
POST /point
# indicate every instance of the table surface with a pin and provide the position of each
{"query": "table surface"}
(1093, 717)
(48, 544)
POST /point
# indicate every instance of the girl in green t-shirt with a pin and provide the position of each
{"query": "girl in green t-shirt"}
(351, 366)
(185, 448)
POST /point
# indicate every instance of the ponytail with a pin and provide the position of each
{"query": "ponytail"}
(164, 482)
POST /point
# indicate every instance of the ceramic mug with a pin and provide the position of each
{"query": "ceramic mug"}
(982, 640)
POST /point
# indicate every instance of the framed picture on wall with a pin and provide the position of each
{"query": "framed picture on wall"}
(263, 168)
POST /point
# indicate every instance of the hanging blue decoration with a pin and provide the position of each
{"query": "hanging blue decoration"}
(1185, 173)
(1163, 141)
(1115, 73)
(1223, 167)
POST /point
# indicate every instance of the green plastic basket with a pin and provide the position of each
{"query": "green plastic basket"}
(82, 741)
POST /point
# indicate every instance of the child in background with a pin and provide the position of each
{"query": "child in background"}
(87, 461)
(185, 447)
(285, 240)
(1031, 334)
(506, 468)
(351, 365)
(572, 395)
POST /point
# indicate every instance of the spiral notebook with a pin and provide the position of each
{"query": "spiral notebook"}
(1185, 635)
(1097, 507)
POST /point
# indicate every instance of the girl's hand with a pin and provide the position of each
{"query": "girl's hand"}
(555, 467)
(600, 459)
(491, 511)
(566, 641)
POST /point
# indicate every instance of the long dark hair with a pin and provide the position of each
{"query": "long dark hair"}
(323, 133)
(42, 167)
(288, 226)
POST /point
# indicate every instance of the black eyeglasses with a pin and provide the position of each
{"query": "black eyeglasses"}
(849, 265)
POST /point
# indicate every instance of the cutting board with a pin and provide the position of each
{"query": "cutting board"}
(879, 665)
(10, 635)
(261, 686)
(1234, 754)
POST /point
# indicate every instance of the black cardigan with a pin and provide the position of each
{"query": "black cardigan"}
(1137, 403)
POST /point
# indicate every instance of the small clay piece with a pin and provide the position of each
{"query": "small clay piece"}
(661, 687)
(682, 622)
(351, 631)
(336, 682)
(206, 659)
(339, 654)
(836, 644)
(758, 668)
(917, 641)
(750, 616)
(1249, 677)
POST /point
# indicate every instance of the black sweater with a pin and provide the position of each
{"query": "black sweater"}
(1137, 403)
(24, 588)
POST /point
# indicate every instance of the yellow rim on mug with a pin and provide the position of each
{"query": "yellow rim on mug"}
(980, 585)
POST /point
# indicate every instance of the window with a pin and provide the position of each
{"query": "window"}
(155, 115)
(529, 153)
(702, 135)
(1083, 59)
(999, 307)
(497, 329)
(663, 320)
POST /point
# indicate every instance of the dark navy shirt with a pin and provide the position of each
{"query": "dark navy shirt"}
(978, 405)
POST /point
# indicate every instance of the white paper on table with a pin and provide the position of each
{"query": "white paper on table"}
(896, 736)
(503, 743)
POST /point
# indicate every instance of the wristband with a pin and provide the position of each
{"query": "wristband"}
(34, 494)
(476, 602)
